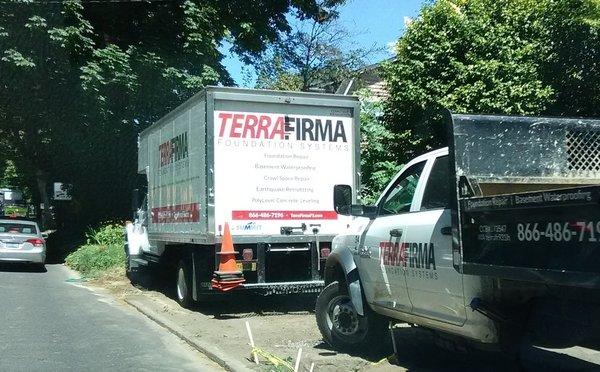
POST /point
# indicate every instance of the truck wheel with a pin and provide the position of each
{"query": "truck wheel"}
(183, 290)
(342, 327)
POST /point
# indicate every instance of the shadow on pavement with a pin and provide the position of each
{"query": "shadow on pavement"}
(242, 305)
(372, 355)
(535, 359)
(418, 351)
(60, 243)
(418, 348)
(22, 267)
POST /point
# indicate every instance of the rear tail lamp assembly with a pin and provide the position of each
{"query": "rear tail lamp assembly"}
(36, 242)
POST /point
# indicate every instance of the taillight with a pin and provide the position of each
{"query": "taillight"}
(325, 252)
(247, 254)
(36, 242)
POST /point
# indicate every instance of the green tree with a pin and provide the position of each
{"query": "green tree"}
(317, 54)
(377, 163)
(40, 48)
(80, 80)
(570, 66)
(490, 56)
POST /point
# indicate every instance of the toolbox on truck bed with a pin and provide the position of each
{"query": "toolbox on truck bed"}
(528, 203)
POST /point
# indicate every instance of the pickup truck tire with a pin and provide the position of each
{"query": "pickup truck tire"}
(342, 327)
(183, 288)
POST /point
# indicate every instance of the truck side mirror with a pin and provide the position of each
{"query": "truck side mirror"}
(135, 200)
(342, 199)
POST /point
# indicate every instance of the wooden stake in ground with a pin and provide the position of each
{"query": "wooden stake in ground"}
(391, 327)
(251, 342)
(298, 360)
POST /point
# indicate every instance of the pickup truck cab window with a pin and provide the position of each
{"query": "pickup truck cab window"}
(437, 191)
(399, 198)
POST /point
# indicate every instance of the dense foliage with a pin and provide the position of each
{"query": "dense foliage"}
(318, 54)
(79, 80)
(103, 251)
(524, 57)
(377, 163)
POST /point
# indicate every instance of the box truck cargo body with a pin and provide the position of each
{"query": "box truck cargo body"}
(263, 162)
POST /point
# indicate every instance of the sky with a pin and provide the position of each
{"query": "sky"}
(379, 22)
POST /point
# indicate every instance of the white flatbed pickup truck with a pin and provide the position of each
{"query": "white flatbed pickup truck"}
(483, 242)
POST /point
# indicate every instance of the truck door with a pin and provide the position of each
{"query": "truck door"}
(435, 288)
(382, 257)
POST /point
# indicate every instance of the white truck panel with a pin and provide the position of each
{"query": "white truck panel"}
(174, 200)
(273, 169)
(258, 173)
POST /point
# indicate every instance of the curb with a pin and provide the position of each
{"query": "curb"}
(211, 351)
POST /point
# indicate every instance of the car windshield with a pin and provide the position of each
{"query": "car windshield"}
(17, 228)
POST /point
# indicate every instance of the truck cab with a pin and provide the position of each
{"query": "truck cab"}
(399, 256)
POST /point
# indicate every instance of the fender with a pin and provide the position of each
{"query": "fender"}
(342, 257)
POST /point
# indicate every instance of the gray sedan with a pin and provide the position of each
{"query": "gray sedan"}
(21, 241)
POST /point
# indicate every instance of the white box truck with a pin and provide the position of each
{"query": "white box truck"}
(264, 162)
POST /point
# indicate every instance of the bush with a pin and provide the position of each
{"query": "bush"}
(107, 234)
(103, 251)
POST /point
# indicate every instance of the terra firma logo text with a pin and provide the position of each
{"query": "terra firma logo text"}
(282, 127)
(174, 149)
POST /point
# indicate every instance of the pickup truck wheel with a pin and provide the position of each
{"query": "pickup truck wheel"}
(184, 284)
(341, 326)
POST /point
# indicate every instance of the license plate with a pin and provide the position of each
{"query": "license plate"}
(246, 266)
(11, 245)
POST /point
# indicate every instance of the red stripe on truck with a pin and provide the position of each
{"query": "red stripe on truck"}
(284, 215)
(176, 213)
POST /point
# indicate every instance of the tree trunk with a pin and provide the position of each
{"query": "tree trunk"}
(45, 216)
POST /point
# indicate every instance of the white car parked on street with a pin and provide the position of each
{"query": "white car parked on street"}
(21, 241)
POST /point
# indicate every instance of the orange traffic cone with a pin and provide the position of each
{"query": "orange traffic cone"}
(227, 277)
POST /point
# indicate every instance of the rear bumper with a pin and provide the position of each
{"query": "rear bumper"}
(268, 289)
(14, 255)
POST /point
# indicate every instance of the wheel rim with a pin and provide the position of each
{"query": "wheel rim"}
(181, 285)
(343, 319)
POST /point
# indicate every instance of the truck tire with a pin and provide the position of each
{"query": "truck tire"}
(183, 288)
(342, 327)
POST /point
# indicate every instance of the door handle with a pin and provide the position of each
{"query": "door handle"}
(446, 230)
(396, 233)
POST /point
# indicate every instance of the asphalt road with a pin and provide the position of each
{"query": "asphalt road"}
(49, 323)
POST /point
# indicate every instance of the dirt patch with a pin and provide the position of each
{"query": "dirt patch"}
(116, 282)
(280, 326)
